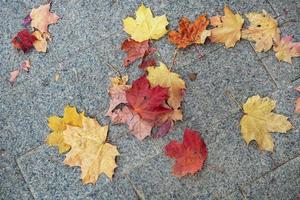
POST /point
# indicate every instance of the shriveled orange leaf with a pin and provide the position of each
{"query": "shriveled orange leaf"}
(190, 33)
(228, 28)
(263, 30)
(89, 150)
(286, 49)
(297, 109)
(41, 18)
(190, 155)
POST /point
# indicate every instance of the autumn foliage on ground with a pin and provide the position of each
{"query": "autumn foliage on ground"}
(151, 105)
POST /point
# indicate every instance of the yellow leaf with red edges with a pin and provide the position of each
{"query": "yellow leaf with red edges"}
(286, 49)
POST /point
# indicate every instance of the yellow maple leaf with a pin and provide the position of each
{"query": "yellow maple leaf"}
(90, 151)
(263, 30)
(259, 121)
(41, 18)
(58, 125)
(163, 77)
(228, 28)
(145, 26)
(286, 49)
(41, 42)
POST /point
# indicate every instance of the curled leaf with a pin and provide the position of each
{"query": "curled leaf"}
(24, 40)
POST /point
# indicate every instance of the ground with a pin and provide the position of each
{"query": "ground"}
(85, 41)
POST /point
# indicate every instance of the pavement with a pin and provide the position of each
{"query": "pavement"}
(85, 40)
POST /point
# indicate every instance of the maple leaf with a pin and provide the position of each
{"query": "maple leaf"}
(147, 62)
(59, 124)
(228, 28)
(190, 155)
(286, 49)
(135, 50)
(42, 41)
(163, 129)
(14, 75)
(259, 121)
(297, 109)
(120, 113)
(263, 30)
(146, 101)
(190, 33)
(41, 18)
(89, 150)
(145, 26)
(162, 76)
(23, 40)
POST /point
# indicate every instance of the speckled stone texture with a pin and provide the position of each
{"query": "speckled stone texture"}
(86, 40)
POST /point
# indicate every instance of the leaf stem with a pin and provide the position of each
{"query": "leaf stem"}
(115, 69)
(174, 58)
(232, 98)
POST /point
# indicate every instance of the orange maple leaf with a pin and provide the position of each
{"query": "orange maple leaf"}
(190, 33)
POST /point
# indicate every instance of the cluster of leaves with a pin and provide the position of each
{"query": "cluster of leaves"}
(155, 98)
(39, 19)
(86, 143)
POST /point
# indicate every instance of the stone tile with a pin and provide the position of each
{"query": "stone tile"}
(134, 152)
(282, 72)
(49, 178)
(286, 145)
(13, 185)
(235, 196)
(281, 183)
(234, 70)
(289, 10)
(163, 185)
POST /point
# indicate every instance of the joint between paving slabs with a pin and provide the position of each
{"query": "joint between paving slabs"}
(140, 194)
(27, 184)
(243, 185)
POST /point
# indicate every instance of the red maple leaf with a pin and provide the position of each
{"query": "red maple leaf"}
(148, 102)
(190, 154)
(136, 50)
(24, 40)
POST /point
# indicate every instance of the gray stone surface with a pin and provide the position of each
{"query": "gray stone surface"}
(49, 178)
(86, 40)
(281, 183)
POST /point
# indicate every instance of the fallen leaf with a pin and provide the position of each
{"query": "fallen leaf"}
(59, 124)
(135, 50)
(164, 129)
(263, 30)
(25, 65)
(228, 28)
(24, 40)
(190, 155)
(120, 113)
(89, 150)
(41, 18)
(146, 101)
(190, 33)
(26, 20)
(14, 75)
(297, 109)
(259, 121)
(145, 26)
(42, 41)
(162, 76)
(147, 63)
(192, 76)
(286, 49)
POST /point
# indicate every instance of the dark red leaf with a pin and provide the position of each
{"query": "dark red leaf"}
(24, 40)
(148, 102)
